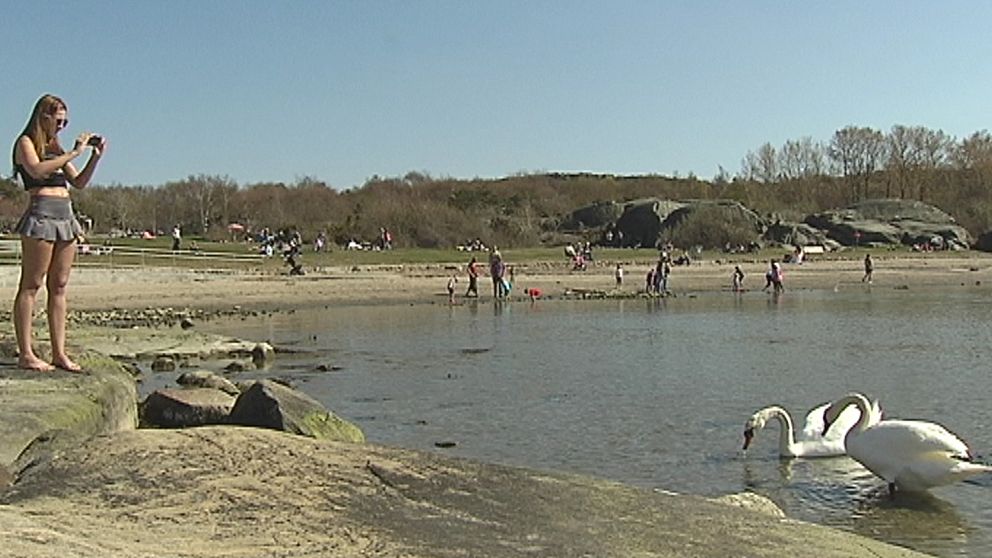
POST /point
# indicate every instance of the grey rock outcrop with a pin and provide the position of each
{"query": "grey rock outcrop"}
(641, 221)
(890, 221)
(179, 408)
(731, 209)
(268, 404)
(644, 222)
(593, 216)
(798, 234)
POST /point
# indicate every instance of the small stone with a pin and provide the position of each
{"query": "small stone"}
(207, 379)
(236, 366)
(163, 364)
(262, 354)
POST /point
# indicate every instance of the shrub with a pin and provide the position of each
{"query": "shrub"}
(712, 227)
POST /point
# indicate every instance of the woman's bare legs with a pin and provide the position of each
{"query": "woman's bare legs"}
(63, 254)
(36, 256)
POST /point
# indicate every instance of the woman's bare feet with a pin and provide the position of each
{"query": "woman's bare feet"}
(34, 363)
(65, 363)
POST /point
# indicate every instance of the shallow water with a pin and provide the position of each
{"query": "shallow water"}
(655, 393)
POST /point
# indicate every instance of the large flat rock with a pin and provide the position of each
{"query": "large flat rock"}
(246, 492)
(45, 411)
(149, 342)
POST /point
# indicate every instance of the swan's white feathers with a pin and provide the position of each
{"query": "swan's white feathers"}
(815, 421)
(913, 455)
(812, 441)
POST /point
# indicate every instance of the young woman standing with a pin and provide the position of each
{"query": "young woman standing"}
(48, 227)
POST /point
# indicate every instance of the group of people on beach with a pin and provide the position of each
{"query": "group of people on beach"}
(579, 255)
(656, 281)
(501, 273)
(774, 277)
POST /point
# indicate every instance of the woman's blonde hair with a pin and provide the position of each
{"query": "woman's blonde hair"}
(46, 106)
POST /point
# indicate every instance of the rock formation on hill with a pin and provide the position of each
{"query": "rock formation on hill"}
(645, 222)
(891, 221)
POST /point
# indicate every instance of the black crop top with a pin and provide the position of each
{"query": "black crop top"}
(56, 179)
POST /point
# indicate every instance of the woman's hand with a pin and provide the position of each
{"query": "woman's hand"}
(81, 141)
(99, 150)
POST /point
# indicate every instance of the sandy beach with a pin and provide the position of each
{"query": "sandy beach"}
(102, 289)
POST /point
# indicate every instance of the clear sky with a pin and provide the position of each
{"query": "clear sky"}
(340, 91)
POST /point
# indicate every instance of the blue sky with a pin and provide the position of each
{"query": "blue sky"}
(340, 91)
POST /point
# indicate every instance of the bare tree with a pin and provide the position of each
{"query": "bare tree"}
(934, 148)
(858, 153)
(800, 158)
(974, 152)
(761, 165)
(901, 161)
(749, 167)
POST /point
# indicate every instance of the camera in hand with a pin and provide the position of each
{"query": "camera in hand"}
(95, 141)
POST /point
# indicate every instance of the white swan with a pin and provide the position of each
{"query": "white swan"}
(911, 455)
(814, 440)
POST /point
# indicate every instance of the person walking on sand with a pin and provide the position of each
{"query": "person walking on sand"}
(177, 237)
(869, 269)
(618, 275)
(48, 228)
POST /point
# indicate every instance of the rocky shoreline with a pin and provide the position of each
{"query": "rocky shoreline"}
(83, 481)
(78, 478)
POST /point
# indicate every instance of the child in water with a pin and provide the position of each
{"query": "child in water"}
(452, 283)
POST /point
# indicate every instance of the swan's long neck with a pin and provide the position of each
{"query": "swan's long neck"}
(786, 432)
(864, 416)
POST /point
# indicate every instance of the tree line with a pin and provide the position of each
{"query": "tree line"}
(800, 177)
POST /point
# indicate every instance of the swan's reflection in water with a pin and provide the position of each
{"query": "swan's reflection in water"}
(840, 493)
(920, 520)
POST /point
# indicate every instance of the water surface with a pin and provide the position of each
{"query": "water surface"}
(655, 393)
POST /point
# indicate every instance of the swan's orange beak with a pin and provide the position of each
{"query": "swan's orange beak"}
(748, 434)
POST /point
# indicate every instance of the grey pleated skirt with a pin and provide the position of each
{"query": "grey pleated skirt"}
(49, 218)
